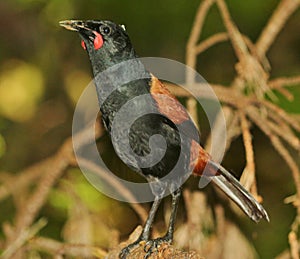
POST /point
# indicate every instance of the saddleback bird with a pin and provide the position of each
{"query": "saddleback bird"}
(108, 45)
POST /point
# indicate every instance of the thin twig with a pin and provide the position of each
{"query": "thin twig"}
(218, 132)
(281, 124)
(286, 93)
(23, 179)
(276, 23)
(233, 129)
(191, 55)
(284, 82)
(22, 238)
(26, 216)
(283, 114)
(238, 43)
(288, 135)
(53, 168)
(209, 42)
(248, 176)
(53, 247)
(254, 116)
(119, 187)
(294, 245)
(197, 28)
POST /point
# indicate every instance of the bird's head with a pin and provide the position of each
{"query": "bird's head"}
(107, 43)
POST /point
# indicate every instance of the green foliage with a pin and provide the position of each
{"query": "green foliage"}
(291, 106)
(57, 10)
(2, 146)
(21, 88)
(77, 188)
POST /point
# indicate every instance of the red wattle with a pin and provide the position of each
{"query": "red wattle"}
(98, 41)
(83, 45)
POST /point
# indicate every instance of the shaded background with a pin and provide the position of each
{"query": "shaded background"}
(43, 70)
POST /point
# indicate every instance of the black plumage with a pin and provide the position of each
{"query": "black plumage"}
(108, 46)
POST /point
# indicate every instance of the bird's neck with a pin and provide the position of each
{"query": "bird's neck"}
(102, 60)
(112, 77)
(119, 83)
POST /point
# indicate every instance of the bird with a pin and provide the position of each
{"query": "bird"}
(109, 48)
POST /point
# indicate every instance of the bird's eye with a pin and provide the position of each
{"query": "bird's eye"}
(105, 30)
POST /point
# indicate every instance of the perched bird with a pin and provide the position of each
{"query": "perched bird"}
(108, 45)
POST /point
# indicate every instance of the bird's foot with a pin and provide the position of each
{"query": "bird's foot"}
(150, 246)
(127, 250)
(153, 245)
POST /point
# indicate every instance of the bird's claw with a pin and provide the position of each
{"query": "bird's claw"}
(124, 253)
(152, 245)
(127, 250)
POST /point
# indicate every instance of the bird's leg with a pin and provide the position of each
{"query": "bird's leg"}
(146, 230)
(151, 245)
(175, 201)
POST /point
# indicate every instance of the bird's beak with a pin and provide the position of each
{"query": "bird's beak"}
(73, 25)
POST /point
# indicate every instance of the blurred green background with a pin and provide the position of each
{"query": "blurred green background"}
(43, 70)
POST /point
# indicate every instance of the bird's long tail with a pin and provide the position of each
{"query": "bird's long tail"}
(232, 187)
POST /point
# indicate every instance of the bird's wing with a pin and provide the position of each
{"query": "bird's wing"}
(169, 106)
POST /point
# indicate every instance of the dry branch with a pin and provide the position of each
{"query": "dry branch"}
(248, 176)
(22, 238)
(276, 23)
(54, 247)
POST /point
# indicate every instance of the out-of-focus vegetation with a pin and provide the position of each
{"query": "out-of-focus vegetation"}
(43, 71)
